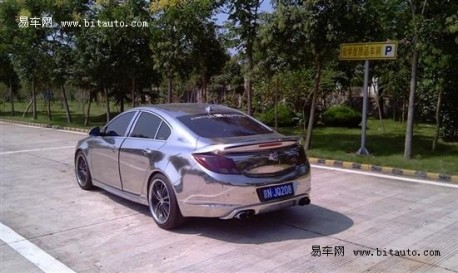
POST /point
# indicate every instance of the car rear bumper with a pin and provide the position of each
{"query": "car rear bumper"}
(246, 212)
(202, 196)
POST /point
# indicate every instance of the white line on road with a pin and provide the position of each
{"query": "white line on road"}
(36, 150)
(412, 180)
(31, 252)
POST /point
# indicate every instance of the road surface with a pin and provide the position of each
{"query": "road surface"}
(356, 223)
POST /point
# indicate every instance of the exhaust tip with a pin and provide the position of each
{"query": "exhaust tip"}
(244, 214)
(304, 201)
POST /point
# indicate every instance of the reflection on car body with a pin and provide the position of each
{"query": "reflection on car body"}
(194, 160)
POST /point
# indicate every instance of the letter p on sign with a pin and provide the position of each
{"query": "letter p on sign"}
(389, 50)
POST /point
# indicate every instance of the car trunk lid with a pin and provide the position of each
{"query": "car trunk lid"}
(269, 157)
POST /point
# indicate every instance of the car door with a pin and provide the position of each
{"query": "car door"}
(105, 151)
(140, 153)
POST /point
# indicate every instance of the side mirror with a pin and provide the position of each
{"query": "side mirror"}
(94, 131)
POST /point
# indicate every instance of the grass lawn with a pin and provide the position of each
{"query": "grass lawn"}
(58, 116)
(385, 148)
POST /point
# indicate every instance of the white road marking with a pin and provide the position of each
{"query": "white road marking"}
(31, 252)
(412, 180)
(36, 150)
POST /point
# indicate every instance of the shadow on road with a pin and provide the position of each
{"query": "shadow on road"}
(293, 223)
(289, 224)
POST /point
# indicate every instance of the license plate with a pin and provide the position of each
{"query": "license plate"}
(275, 192)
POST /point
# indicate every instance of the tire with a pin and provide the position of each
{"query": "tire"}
(82, 172)
(163, 203)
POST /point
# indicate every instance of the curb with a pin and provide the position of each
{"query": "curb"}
(58, 127)
(436, 177)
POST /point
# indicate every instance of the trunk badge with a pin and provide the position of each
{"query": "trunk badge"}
(273, 156)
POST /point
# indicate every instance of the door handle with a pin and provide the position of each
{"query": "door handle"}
(113, 148)
(147, 151)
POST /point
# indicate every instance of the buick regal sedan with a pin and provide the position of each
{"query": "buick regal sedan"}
(194, 160)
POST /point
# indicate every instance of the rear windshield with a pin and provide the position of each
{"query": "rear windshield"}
(215, 125)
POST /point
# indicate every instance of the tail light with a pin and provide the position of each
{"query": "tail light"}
(217, 163)
(302, 157)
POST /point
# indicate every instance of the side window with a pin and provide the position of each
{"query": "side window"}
(118, 126)
(146, 126)
(164, 132)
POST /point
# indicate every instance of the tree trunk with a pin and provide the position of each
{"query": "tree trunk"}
(88, 110)
(316, 85)
(411, 108)
(133, 91)
(27, 109)
(107, 101)
(303, 116)
(377, 100)
(170, 89)
(67, 109)
(349, 95)
(11, 97)
(403, 111)
(204, 89)
(48, 104)
(413, 86)
(34, 100)
(249, 91)
(276, 103)
(438, 109)
(121, 103)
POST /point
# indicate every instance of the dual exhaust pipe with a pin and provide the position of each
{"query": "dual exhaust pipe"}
(304, 201)
(244, 214)
(247, 214)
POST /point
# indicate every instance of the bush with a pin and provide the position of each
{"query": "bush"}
(341, 116)
(285, 117)
(449, 129)
(449, 115)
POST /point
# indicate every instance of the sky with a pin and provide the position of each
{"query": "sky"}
(265, 6)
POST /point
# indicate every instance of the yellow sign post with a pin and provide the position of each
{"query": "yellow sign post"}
(365, 52)
(368, 51)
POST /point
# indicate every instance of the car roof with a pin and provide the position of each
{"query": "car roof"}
(184, 109)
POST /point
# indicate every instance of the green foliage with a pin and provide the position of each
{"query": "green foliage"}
(244, 16)
(281, 53)
(449, 114)
(285, 117)
(341, 116)
(185, 41)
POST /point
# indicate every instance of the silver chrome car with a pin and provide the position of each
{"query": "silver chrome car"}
(202, 160)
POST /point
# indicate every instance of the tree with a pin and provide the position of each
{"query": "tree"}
(413, 79)
(178, 27)
(26, 41)
(208, 55)
(231, 80)
(308, 33)
(438, 62)
(115, 61)
(244, 15)
(8, 76)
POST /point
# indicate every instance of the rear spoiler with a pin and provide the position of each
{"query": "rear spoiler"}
(253, 145)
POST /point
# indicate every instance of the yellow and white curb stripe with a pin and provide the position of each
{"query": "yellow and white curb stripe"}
(35, 124)
(438, 177)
